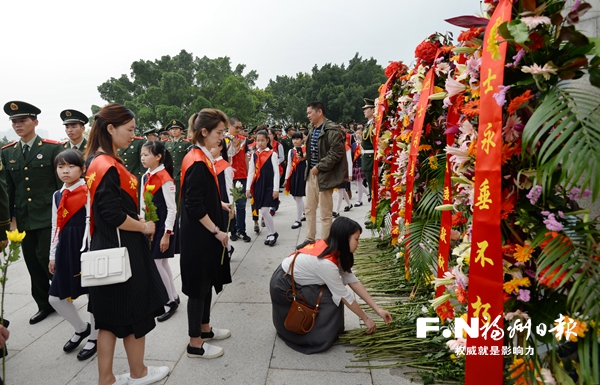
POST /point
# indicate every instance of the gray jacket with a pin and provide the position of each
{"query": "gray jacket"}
(332, 165)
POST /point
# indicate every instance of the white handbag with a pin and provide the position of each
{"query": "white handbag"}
(103, 267)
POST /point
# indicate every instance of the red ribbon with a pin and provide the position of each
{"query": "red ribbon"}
(414, 151)
(485, 295)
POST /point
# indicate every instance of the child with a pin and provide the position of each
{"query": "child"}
(294, 176)
(357, 173)
(225, 177)
(158, 161)
(263, 186)
(68, 227)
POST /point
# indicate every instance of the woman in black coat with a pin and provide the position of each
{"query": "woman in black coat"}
(202, 235)
(123, 310)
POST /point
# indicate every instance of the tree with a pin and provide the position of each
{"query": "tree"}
(4, 141)
(340, 88)
(175, 87)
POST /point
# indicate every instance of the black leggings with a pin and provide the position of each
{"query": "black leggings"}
(198, 313)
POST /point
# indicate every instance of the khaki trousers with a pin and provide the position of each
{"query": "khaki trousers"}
(315, 198)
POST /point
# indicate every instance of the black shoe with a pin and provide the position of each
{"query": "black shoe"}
(256, 229)
(234, 237)
(306, 242)
(369, 198)
(84, 354)
(173, 308)
(335, 214)
(296, 225)
(348, 208)
(244, 236)
(303, 219)
(358, 204)
(70, 345)
(41, 315)
(231, 252)
(177, 300)
(262, 223)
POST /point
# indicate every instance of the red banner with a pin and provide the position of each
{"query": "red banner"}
(381, 111)
(446, 227)
(485, 295)
(414, 151)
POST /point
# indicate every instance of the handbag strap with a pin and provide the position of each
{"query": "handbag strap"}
(291, 270)
(87, 236)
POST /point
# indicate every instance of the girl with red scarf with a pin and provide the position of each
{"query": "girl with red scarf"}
(295, 183)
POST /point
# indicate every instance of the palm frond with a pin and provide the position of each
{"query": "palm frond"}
(423, 245)
(566, 126)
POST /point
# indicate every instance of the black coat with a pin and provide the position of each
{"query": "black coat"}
(200, 250)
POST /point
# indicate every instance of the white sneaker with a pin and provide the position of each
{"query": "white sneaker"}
(121, 379)
(210, 351)
(216, 334)
(155, 373)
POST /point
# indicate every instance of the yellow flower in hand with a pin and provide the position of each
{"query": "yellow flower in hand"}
(15, 235)
(150, 187)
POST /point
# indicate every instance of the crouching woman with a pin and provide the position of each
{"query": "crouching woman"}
(325, 262)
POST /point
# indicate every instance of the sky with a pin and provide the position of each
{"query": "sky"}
(56, 53)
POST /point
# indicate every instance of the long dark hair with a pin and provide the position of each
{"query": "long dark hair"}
(158, 148)
(115, 114)
(339, 242)
(224, 153)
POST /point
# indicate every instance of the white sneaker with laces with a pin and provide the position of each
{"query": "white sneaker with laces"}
(155, 373)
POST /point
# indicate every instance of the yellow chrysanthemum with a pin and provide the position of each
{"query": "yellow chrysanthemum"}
(523, 253)
(512, 286)
(15, 235)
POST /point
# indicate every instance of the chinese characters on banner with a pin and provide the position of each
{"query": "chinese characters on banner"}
(485, 276)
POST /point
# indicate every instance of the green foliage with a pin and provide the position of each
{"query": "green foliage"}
(571, 117)
(340, 88)
(4, 141)
(175, 87)
(422, 243)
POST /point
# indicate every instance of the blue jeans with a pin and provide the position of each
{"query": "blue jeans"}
(240, 209)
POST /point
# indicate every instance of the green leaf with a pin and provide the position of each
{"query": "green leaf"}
(596, 41)
(561, 376)
(595, 76)
(519, 31)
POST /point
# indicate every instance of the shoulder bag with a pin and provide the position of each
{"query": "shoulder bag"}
(103, 267)
(301, 316)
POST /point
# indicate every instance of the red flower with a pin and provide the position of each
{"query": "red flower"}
(470, 33)
(550, 280)
(392, 68)
(519, 101)
(445, 311)
(471, 109)
(508, 204)
(461, 295)
(426, 51)
(458, 219)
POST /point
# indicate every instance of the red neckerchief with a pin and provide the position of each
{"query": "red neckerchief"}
(221, 165)
(260, 159)
(357, 151)
(348, 141)
(70, 203)
(157, 179)
(294, 165)
(195, 154)
(98, 168)
(315, 249)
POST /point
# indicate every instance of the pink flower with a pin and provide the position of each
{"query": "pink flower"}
(513, 128)
(534, 194)
(500, 96)
(457, 343)
(533, 21)
(524, 295)
(453, 87)
(547, 70)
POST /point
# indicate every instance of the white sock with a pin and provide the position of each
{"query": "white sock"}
(268, 219)
(93, 335)
(68, 311)
(346, 197)
(299, 208)
(361, 190)
(164, 277)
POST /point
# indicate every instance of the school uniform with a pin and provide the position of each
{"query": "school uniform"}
(296, 184)
(68, 228)
(166, 209)
(263, 174)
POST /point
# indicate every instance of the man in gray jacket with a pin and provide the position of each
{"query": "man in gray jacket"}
(327, 169)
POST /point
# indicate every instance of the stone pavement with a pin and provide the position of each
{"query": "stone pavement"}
(253, 354)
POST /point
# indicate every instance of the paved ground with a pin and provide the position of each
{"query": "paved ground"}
(253, 354)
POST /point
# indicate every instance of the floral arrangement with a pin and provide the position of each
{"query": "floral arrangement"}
(151, 214)
(550, 159)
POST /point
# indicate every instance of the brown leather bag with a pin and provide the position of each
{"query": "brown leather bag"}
(301, 317)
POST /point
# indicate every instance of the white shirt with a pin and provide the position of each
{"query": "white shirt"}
(168, 189)
(54, 237)
(78, 145)
(310, 270)
(274, 163)
(228, 180)
(280, 153)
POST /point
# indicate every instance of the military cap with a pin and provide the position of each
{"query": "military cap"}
(164, 132)
(17, 110)
(151, 131)
(250, 131)
(175, 124)
(290, 127)
(73, 116)
(369, 103)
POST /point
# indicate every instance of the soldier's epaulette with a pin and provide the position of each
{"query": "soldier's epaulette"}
(8, 145)
(138, 138)
(51, 141)
(187, 140)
